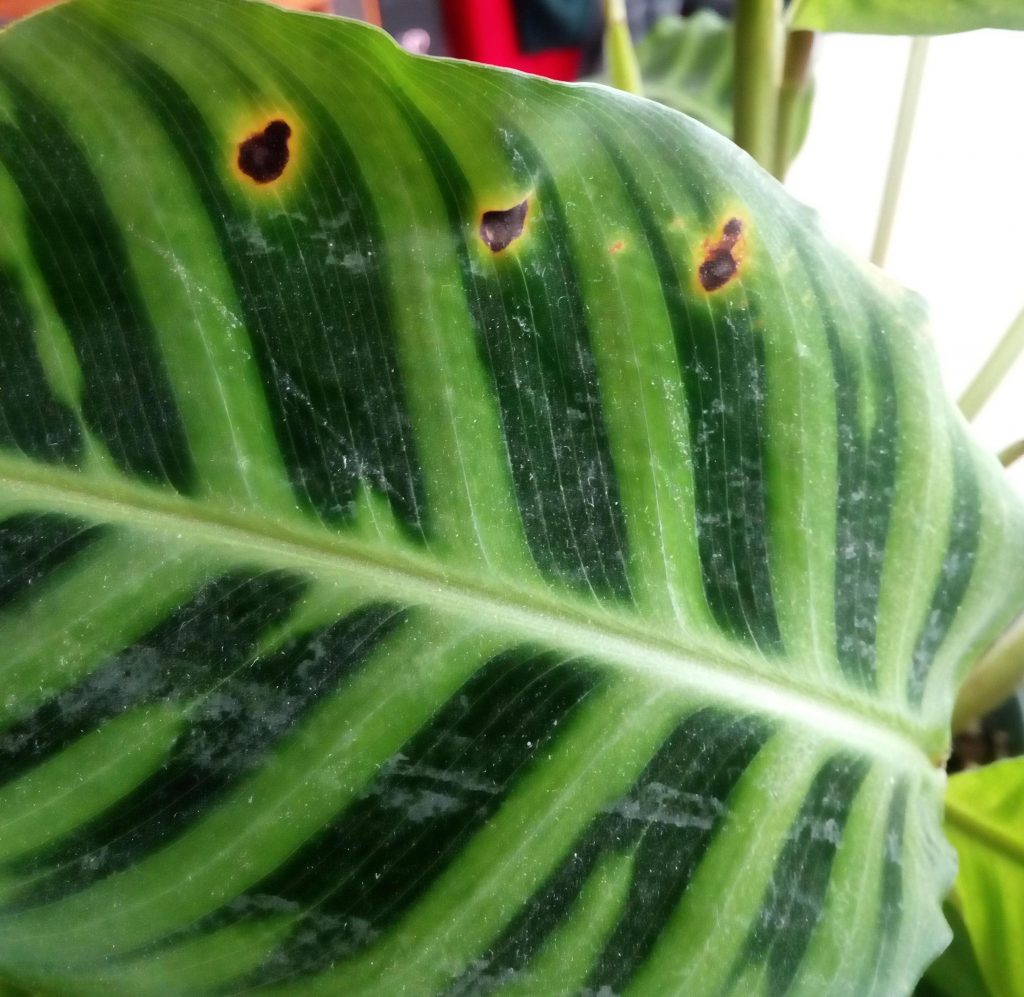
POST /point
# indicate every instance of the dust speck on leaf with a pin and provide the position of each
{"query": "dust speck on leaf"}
(263, 157)
(499, 229)
(720, 263)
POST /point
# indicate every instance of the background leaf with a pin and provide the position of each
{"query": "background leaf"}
(907, 17)
(985, 822)
(458, 532)
(687, 63)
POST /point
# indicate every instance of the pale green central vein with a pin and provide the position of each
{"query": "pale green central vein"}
(694, 668)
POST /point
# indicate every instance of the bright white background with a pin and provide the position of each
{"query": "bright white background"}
(959, 233)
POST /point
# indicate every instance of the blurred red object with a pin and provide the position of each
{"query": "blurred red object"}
(485, 31)
(19, 8)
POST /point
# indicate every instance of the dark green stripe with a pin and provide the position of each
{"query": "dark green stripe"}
(668, 819)
(721, 356)
(866, 467)
(524, 938)
(214, 632)
(255, 705)
(794, 902)
(126, 396)
(532, 334)
(362, 872)
(674, 813)
(31, 418)
(890, 911)
(320, 325)
(957, 568)
(34, 548)
(865, 490)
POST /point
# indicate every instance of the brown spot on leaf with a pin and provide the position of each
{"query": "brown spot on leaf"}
(720, 261)
(263, 157)
(499, 229)
(618, 246)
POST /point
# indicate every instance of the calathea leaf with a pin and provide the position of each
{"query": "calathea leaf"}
(458, 532)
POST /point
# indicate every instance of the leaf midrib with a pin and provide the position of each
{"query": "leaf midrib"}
(596, 631)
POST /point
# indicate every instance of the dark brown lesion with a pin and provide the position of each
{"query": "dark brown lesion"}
(263, 157)
(720, 263)
(499, 229)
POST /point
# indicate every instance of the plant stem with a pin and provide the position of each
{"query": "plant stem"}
(992, 679)
(995, 369)
(795, 81)
(900, 147)
(1012, 453)
(757, 77)
(619, 53)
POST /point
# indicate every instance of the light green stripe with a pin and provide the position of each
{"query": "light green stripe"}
(180, 274)
(315, 774)
(109, 596)
(84, 779)
(54, 347)
(595, 760)
(851, 919)
(561, 967)
(199, 965)
(763, 806)
(631, 336)
(914, 552)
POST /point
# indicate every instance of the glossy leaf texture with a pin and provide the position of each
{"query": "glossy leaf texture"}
(907, 17)
(460, 533)
(985, 821)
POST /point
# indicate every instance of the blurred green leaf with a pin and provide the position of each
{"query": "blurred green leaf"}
(907, 17)
(985, 821)
(686, 63)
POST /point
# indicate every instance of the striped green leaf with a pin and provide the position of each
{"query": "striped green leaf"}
(907, 17)
(459, 533)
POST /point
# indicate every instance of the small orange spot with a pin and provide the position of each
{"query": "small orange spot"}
(678, 223)
(618, 246)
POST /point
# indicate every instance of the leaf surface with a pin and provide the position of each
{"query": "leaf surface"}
(458, 532)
